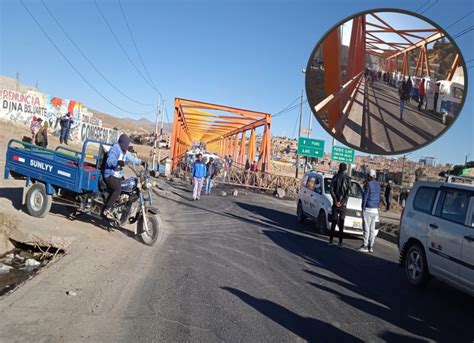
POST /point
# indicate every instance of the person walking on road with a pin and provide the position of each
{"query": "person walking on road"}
(409, 89)
(370, 212)
(340, 187)
(388, 195)
(199, 173)
(421, 93)
(211, 172)
(404, 92)
(41, 138)
(66, 122)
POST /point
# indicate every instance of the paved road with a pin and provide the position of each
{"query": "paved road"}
(375, 124)
(236, 269)
(242, 269)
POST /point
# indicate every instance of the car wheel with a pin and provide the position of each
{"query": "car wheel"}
(300, 213)
(321, 225)
(38, 202)
(416, 268)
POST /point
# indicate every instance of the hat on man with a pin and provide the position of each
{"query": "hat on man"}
(372, 173)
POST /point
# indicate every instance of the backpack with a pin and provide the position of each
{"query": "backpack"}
(39, 138)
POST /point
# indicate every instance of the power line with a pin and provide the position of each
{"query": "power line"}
(122, 47)
(426, 3)
(458, 20)
(463, 32)
(74, 68)
(135, 44)
(89, 61)
(426, 9)
(287, 108)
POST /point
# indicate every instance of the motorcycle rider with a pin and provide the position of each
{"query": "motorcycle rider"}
(117, 157)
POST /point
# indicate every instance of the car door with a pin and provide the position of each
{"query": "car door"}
(315, 195)
(307, 192)
(312, 182)
(445, 232)
(467, 251)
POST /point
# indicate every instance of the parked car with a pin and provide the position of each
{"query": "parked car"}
(315, 202)
(437, 234)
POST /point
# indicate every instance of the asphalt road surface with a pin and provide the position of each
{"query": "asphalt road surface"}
(235, 269)
(375, 124)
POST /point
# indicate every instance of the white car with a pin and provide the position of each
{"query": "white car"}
(437, 234)
(315, 202)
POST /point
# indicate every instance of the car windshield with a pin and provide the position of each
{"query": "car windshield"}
(355, 192)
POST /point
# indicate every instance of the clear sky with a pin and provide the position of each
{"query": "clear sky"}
(247, 54)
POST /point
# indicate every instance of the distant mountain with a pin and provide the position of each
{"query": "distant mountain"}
(129, 125)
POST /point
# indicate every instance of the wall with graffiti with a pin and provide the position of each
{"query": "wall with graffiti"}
(20, 107)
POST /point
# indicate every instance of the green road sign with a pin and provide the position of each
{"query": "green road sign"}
(310, 147)
(341, 154)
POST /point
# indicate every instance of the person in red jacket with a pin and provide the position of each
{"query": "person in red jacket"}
(422, 93)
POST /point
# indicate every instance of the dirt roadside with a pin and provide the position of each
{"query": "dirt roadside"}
(101, 267)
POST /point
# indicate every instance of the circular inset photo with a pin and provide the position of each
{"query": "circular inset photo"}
(386, 81)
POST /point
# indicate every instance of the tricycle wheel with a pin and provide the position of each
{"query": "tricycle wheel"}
(149, 236)
(38, 202)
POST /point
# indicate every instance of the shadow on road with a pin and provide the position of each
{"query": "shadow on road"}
(14, 194)
(310, 329)
(377, 286)
(369, 283)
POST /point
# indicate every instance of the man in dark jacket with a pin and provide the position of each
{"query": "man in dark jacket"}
(388, 195)
(211, 172)
(340, 187)
(370, 211)
(66, 122)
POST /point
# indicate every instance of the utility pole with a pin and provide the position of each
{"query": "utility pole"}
(163, 109)
(156, 131)
(309, 135)
(299, 132)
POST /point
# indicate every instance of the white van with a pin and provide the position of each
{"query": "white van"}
(437, 234)
(315, 202)
(449, 98)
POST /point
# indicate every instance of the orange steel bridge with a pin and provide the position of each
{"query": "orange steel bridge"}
(222, 129)
(371, 35)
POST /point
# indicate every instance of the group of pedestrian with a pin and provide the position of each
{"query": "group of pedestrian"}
(40, 129)
(340, 191)
(203, 172)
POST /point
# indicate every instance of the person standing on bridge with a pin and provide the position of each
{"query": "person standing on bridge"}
(421, 93)
(199, 173)
(370, 211)
(404, 93)
(211, 172)
(388, 195)
(340, 187)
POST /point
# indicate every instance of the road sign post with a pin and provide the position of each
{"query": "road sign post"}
(310, 147)
(341, 154)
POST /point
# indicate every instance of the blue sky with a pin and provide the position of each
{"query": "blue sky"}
(247, 54)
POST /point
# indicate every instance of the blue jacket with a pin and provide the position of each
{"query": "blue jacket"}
(112, 160)
(371, 196)
(199, 169)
